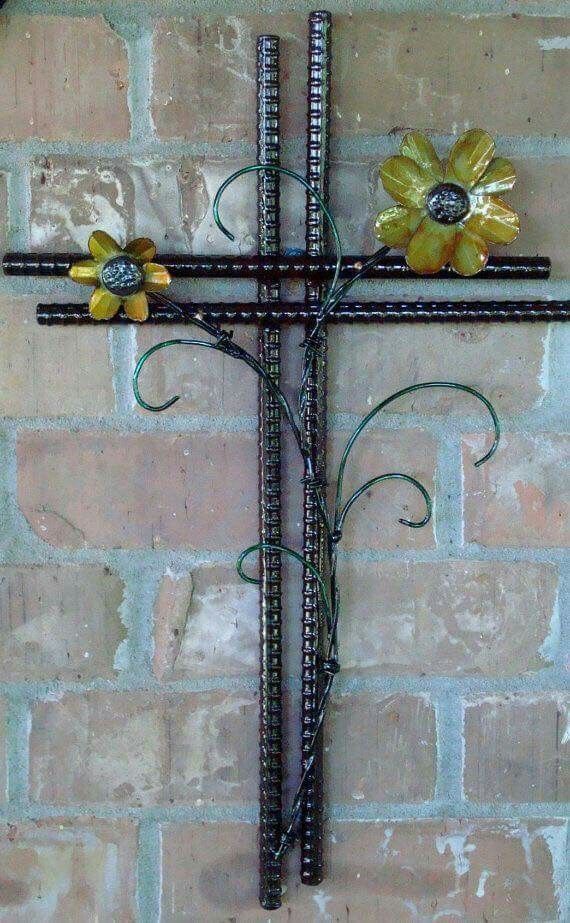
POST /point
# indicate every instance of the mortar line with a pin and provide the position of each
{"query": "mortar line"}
(149, 871)
(145, 9)
(18, 722)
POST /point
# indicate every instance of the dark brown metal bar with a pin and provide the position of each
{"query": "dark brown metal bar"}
(280, 266)
(314, 428)
(271, 718)
(358, 311)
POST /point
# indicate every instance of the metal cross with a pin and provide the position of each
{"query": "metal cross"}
(314, 267)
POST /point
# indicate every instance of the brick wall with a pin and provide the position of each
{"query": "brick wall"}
(128, 711)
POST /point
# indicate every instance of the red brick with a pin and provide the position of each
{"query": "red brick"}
(380, 749)
(454, 618)
(63, 78)
(502, 67)
(373, 521)
(505, 363)
(51, 371)
(139, 490)
(517, 748)
(59, 623)
(520, 497)
(138, 749)
(206, 624)
(80, 869)
(387, 871)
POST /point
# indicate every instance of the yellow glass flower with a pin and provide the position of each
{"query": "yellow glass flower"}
(447, 212)
(121, 277)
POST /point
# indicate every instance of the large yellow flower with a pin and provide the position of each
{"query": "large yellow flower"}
(121, 276)
(448, 212)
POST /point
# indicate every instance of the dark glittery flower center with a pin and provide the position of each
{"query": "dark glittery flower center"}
(447, 203)
(122, 276)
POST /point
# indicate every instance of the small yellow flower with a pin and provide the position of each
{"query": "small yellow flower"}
(447, 212)
(121, 277)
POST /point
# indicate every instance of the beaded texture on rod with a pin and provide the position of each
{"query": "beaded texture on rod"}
(270, 726)
(182, 266)
(291, 312)
(314, 426)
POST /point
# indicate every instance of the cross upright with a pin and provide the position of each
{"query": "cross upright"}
(269, 268)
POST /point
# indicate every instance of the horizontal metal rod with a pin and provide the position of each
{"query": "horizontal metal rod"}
(284, 267)
(291, 312)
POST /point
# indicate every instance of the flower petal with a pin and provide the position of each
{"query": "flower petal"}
(103, 305)
(431, 247)
(136, 306)
(405, 181)
(102, 246)
(86, 272)
(156, 277)
(395, 226)
(141, 249)
(498, 177)
(471, 254)
(493, 220)
(469, 158)
(418, 148)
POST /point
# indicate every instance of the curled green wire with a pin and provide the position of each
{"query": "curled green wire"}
(282, 549)
(393, 397)
(392, 476)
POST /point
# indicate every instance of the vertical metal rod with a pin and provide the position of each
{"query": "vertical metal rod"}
(314, 423)
(270, 727)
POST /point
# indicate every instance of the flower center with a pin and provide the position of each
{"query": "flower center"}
(122, 276)
(447, 203)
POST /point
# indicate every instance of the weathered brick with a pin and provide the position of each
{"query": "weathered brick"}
(3, 212)
(70, 197)
(521, 497)
(517, 748)
(139, 490)
(80, 869)
(373, 521)
(59, 623)
(204, 74)
(3, 767)
(206, 624)
(380, 748)
(207, 381)
(51, 372)
(139, 749)
(63, 77)
(505, 362)
(397, 871)
(456, 617)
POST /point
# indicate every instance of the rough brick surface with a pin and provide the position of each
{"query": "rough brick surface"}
(207, 382)
(59, 623)
(63, 869)
(373, 521)
(204, 88)
(39, 377)
(517, 748)
(521, 498)
(63, 77)
(141, 490)
(139, 749)
(3, 212)
(3, 775)
(448, 618)
(468, 870)
(505, 362)
(380, 749)
(206, 624)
